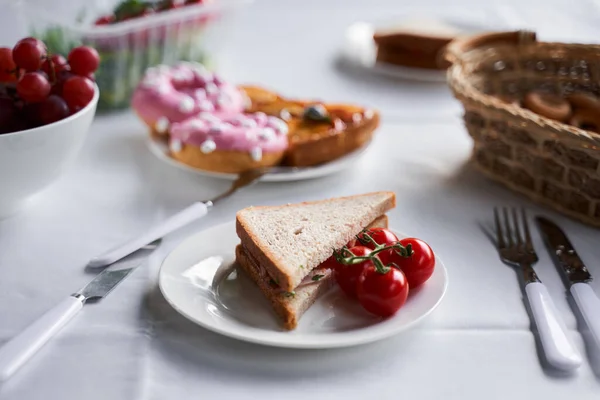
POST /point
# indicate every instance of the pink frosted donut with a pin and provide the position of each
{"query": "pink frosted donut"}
(173, 94)
(229, 143)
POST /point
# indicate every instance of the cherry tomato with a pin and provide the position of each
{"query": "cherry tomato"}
(29, 53)
(347, 275)
(382, 293)
(418, 268)
(379, 235)
(7, 66)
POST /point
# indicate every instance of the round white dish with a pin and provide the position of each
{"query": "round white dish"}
(32, 159)
(360, 50)
(277, 174)
(200, 281)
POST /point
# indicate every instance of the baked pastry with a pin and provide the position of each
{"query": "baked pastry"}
(215, 126)
(229, 144)
(318, 132)
(172, 94)
(548, 105)
(415, 43)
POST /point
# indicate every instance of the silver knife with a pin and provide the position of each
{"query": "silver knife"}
(576, 273)
(23, 346)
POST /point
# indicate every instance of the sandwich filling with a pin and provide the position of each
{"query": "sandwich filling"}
(312, 278)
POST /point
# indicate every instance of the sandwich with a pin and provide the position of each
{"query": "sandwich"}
(283, 248)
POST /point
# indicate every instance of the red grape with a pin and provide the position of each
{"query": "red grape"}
(53, 109)
(8, 113)
(33, 87)
(7, 65)
(28, 53)
(55, 63)
(29, 116)
(61, 78)
(84, 60)
(78, 92)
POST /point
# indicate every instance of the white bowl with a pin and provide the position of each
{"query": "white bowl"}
(31, 160)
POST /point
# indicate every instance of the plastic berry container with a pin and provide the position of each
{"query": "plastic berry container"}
(194, 32)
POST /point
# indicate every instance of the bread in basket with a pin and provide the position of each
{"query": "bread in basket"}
(551, 162)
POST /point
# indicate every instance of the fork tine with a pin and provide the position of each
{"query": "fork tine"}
(507, 225)
(517, 229)
(528, 242)
(499, 235)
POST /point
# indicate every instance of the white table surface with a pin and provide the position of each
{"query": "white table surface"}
(478, 344)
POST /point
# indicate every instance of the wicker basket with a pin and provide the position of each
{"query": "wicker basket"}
(553, 163)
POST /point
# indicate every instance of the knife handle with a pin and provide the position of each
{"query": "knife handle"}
(175, 222)
(559, 349)
(589, 305)
(24, 345)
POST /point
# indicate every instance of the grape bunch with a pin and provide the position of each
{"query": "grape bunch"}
(38, 88)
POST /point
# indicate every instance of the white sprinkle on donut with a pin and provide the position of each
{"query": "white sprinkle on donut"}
(256, 153)
(223, 100)
(175, 146)
(267, 134)
(161, 125)
(249, 123)
(208, 117)
(206, 105)
(200, 94)
(260, 117)
(208, 146)
(163, 89)
(279, 125)
(211, 88)
(204, 76)
(187, 104)
(197, 124)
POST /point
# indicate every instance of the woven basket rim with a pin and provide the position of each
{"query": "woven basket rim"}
(460, 83)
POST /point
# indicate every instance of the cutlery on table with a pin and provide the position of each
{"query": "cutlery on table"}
(575, 271)
(182, 218)
(24, 345)
(517, 251)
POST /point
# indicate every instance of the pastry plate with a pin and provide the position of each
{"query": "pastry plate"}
(277, 174)
(360, 50)
(200, 280)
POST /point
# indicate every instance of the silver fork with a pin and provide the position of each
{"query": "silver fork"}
(517, 251)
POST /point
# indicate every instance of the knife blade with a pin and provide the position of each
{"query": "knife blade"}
(24, 345)
(563, 251)
(576, 272)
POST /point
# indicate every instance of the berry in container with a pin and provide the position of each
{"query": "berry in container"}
(133, 35)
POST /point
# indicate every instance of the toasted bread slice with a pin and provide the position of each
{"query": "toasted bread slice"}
(415, 44)
(291, 240)
(291, 306)
(344, 129)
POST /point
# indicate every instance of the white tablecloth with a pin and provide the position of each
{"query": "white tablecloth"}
(478, 344)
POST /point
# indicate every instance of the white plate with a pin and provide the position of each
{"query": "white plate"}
(360, 50)
(279, 174)
(235, 307)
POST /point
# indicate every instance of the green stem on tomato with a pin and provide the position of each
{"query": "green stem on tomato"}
(382, 269)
